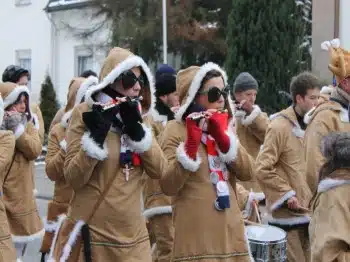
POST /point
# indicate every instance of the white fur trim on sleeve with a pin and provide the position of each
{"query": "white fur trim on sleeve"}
(329, 183)
(248, 206)
(30, 238)
(145, 143)
(231, 154)
(161, 210)
(187, 162)
(36, 122)
(249, 119)
(19, 131)
(92, 149)
(280, 201)
(63, 145)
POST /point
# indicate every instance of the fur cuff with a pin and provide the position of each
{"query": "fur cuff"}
(290, 221)
(280, 201)
(92, 149)
(19, 131)
(231, 154)
(145, 143)
(154, 211)
(248, 120)
(187, 162)
(30, 238)
(63, 145)
(36, 122)
(329, 183)
(248, 206)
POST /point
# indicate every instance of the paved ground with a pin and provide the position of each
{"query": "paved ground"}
(45, 190)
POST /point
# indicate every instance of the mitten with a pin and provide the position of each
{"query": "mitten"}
(132, 119)
(193, 140)
(217, 124)
(14, 119)
(98, 123)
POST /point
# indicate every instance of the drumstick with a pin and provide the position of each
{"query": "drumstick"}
(256, 208)
(303, 208)
(252, 223)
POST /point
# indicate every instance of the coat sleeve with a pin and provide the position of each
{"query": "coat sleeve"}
(276, 188)
(329, 228)
(82, 154)
(180, 166)
(153, 159)
(55, 156)
(317, 129)
(28, 141)
(7, 149)
(257, 123)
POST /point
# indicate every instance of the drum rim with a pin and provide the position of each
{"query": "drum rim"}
(267, 226)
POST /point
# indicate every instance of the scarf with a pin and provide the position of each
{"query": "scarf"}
(164, 110)
(218, 174)
(340, 96)
(128, 158)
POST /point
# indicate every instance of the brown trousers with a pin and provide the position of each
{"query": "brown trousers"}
(163, 229)
(298, 245)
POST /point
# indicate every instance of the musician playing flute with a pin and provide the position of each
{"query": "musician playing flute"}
(329, 227)
(281, 168)
(204, 159)
(109, 146)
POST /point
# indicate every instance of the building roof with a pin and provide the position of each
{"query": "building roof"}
(59, 5)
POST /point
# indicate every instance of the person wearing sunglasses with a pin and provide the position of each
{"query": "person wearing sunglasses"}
(109, 147)
(251, 122)
(204, 160)
(157, 206)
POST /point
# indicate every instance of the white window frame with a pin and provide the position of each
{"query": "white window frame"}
(23, 2)
(22, 57)
(83, 52)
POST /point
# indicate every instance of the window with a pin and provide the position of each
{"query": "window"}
(83, 59)
(22, 2)
(24, 59)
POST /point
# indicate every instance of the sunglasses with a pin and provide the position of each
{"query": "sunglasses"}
(129, 79)
(214, 93)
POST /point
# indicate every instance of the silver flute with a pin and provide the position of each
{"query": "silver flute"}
(116, 103)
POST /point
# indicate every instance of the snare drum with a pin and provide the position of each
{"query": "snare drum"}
(267, 243)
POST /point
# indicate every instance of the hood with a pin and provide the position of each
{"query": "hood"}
(290, 115)
(188, 82)
(10, 93)
(118, 61)
(76, 92)
(326, 105)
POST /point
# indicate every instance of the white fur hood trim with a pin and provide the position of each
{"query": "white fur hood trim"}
(308, 115)
(158, 117)
(327, 90)
(65, 118)
(196, 84)
(13, 95)
(249, 119)
(89, 82)
(329, 183)
(128, 63)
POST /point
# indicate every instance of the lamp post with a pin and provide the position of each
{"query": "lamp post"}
(165, 44)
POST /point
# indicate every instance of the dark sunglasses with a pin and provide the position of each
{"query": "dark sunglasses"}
(214, 93)
(129, 79)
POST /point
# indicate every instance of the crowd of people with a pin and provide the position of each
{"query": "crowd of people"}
(174, 168)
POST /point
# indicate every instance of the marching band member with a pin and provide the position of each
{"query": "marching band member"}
(25, 223)
(204, 159)
(54, 160)
(157, 205)
(281, 168)
(108, 148)
(329, 116)
(329, 226)
(7, 147)
(251, 122)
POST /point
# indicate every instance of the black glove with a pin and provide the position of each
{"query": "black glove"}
(132, 120)
(98, 122)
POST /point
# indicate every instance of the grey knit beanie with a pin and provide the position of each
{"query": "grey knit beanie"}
(243, 82)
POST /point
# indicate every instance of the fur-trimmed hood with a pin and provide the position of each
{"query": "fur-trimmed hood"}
(327, 90)
(118, 61)
(290, 115)
(11, 91)
(188, 82)
(77, 90)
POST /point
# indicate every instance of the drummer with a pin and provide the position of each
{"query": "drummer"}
(281, 168)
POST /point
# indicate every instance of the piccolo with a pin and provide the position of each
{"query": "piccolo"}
(203, 114)
(117, 103)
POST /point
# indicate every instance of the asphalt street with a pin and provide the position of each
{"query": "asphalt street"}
(45, 191)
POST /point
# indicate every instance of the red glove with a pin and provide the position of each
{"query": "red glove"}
(194, 135)
(217, 124)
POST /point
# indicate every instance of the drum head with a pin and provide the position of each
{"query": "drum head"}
(265, 233)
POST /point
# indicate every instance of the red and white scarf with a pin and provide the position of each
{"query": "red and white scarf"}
(219, 174)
